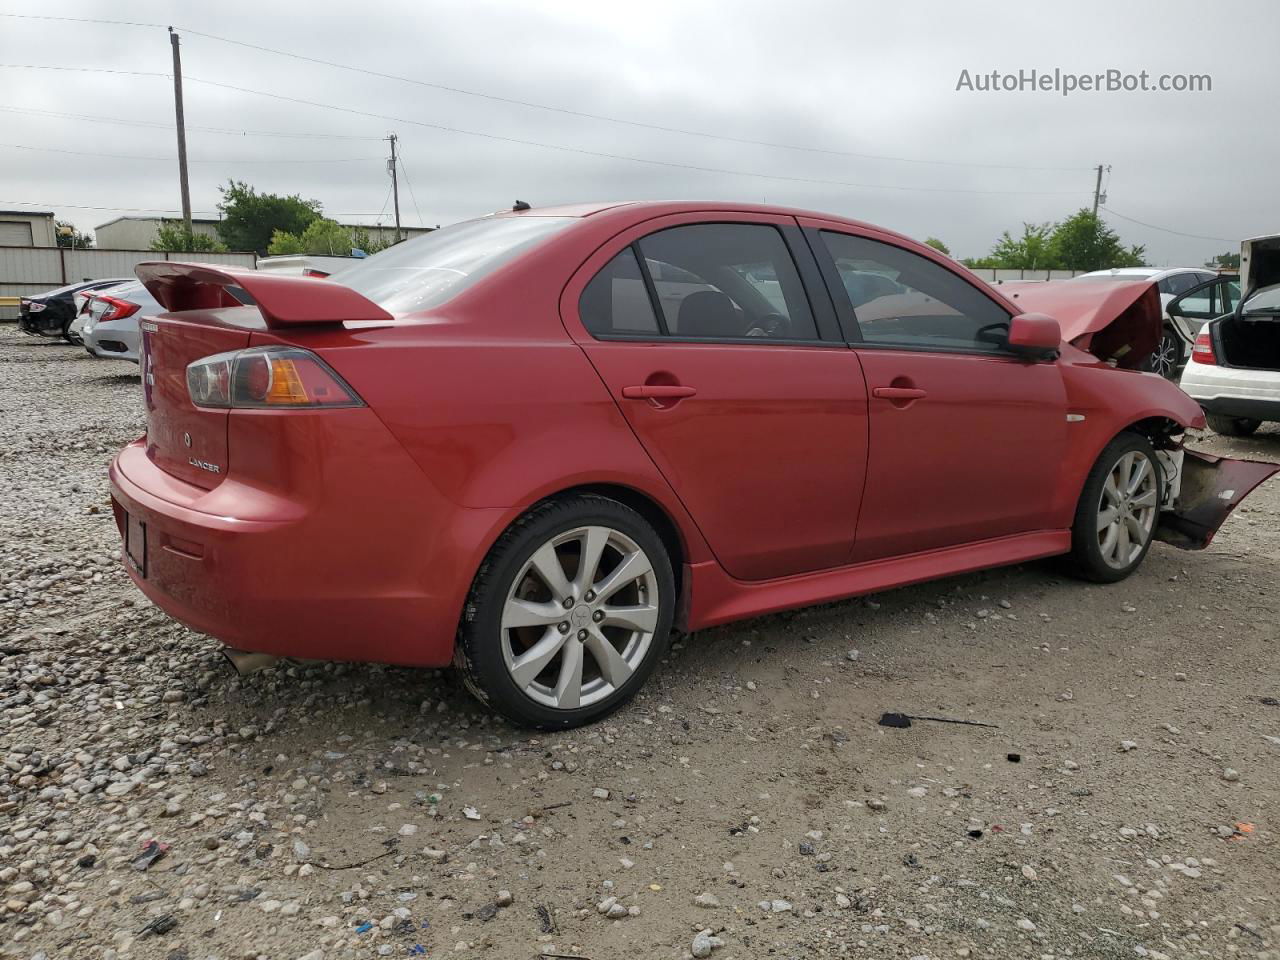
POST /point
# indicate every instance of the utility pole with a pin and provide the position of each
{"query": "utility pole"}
(1097, 191)
(182, 131)
(395, 184)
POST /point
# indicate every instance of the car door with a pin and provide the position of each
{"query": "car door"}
(735, 378)
(966, 438)
(1204, 302)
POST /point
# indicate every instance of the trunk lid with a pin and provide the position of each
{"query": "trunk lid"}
(183, 440)
(205, 317)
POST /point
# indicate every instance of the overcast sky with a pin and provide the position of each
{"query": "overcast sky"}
(848, 77)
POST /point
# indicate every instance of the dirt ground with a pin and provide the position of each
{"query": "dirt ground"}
(1122, 803)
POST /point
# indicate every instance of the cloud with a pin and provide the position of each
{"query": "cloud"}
(857, 77)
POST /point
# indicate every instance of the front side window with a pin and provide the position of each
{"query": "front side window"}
(425, 272)
(727, 281)
(900, 298)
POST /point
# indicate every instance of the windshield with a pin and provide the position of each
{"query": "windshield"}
(426, 271)
(1266, 300)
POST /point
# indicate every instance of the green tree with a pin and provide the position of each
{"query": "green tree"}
(327, 238)
(68, 236)
(938, 245)
(1224, 261)
(1031, 251)
(1084, 242)
(368, 242)
(285, 243)
(323, 237)
(250, 219)
(173, 235)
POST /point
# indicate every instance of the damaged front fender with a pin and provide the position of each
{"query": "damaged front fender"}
(1209, 489)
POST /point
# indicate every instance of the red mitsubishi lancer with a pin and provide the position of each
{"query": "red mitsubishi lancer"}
(533, 444)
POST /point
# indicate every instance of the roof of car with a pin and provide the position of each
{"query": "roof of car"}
(1150, 272)
(656, 208)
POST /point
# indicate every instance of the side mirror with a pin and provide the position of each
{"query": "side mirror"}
(1035, 336)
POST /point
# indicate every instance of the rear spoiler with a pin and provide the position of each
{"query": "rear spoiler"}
(283, 301)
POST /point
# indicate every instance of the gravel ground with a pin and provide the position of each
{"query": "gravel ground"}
(746, 805)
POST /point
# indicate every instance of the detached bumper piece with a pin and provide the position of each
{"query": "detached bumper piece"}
(1211, 488)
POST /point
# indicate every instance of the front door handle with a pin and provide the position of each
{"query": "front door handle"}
(658, 391)
(899, 393)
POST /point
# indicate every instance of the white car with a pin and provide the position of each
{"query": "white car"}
(1234, 372)
(308, 264)
(109, 327)
(1178, 338)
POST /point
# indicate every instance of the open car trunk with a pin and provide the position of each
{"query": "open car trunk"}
(1250, 342)
(1251, 337)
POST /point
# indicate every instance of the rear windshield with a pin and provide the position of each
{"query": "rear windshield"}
(1266, 300)
(428, 270)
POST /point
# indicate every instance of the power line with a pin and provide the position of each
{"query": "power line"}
(581, 114)
(1152, 226)
(608, 119)
(156, 124)
(46, 66)
(412, 195)
(134, 156)
(85, 206)
(616, 156)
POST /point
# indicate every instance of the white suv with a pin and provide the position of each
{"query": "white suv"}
(1234, 371)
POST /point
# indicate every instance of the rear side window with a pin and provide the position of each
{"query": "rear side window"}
(728, 281)
(900, 298)
(616, 303)
(426, 271)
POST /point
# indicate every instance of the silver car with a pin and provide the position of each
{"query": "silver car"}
(109, 328)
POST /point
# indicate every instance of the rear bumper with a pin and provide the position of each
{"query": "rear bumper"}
(353, 575)
(1250, 409)
(1234, 391)
(46, 323)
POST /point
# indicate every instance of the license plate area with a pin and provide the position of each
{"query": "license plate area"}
(135, 544)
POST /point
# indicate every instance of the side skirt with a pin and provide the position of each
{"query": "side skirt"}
(715, 598)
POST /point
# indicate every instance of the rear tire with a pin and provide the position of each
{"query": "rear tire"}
(1232, 426)
(552, 642)
(1119, 506)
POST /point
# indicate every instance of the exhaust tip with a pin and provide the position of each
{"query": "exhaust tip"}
(246, 662)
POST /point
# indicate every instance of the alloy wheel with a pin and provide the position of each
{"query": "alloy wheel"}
(1164, 360)
(1127, 509)
(580, 617)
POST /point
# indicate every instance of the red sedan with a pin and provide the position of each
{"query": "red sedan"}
(532, 444)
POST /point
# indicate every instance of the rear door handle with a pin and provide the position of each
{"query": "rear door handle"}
(899, 393)
(658, 391)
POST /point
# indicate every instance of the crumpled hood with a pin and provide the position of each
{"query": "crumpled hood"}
(1112, 320)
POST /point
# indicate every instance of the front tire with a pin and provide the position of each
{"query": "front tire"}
(1116, 517)
(569, 614)
(1232, 426)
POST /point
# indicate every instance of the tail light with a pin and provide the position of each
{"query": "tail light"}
(1202, 352)
(313, 272)
(117, 309)
(34, 307)
(267, 378)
